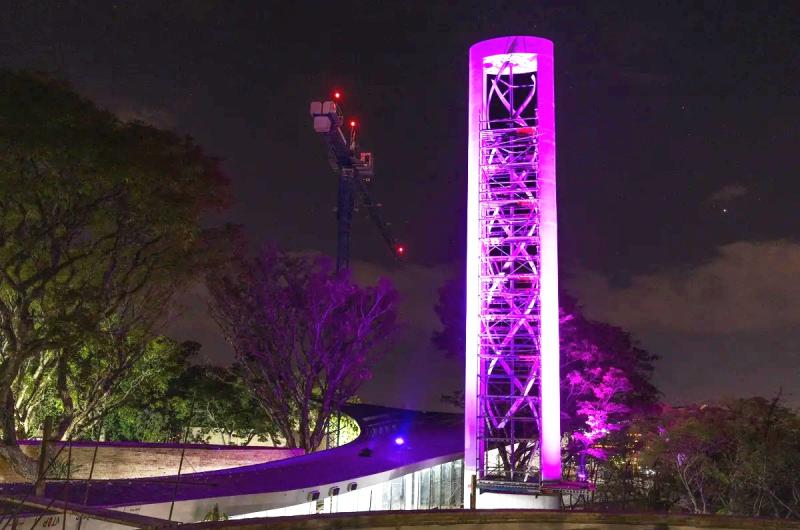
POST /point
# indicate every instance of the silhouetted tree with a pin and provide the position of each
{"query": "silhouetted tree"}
(740, 457)
(451, 308)
(305, 337)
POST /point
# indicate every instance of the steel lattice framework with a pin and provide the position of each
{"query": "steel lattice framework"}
(509, 289)
(510, 198)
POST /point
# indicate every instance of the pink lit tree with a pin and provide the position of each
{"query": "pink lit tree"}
(306, 338)
(605, 380)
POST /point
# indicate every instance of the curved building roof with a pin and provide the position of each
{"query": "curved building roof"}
(373, 457)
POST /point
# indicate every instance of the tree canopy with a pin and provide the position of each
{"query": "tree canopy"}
(305, 337)
(739, 457)
(212, 402)
(99, 224)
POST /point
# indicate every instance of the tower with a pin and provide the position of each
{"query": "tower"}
(512, 409)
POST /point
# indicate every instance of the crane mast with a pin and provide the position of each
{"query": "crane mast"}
(355, 170)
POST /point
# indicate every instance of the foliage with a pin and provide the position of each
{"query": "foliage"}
(621, 482)
(346, 428)
(741, 457)
(156, 409)
(605, 381)
(305, 337)
(84, 388)
(223, 405)
(61, 466)
(99, 224)
(215, 514)
(208, 400)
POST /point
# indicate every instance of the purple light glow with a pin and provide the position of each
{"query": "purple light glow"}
(399, 440)
(512, 257)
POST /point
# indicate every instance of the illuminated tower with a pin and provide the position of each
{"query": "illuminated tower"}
(512, 394)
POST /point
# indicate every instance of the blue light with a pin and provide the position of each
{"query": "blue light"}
(399, 440)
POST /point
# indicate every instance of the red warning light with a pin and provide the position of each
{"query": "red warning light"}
(401, 249)
(353, 123)
(337, 95)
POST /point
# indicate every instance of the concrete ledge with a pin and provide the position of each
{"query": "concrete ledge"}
(131, 520)
(500, 520)
(127, 460)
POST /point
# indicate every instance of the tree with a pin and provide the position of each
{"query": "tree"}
(81, 384)
(206, 399)
(94, 212)
(83, 390)
(222, 404)
(157, 407)
(605, 381)
(740, 457)
(305, 337)
(605, 378)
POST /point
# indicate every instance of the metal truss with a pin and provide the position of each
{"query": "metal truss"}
(509, 352)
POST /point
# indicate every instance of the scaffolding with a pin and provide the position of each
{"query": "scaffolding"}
(509, 343)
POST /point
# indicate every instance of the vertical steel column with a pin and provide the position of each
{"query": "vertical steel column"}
(345, 204)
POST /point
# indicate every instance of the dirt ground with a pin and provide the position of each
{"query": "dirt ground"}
(151, 460)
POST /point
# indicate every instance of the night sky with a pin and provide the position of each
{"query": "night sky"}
(678, 146)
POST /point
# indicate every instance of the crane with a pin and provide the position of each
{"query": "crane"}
(355, 171)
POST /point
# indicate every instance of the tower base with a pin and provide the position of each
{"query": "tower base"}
(516, 501)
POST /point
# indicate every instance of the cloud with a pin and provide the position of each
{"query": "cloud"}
(126, 108)
(747, 286)
(728, 193)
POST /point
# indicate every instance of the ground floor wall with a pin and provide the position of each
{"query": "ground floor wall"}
(502, 520)
(435, 487)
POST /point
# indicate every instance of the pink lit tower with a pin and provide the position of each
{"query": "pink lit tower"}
(512, 415)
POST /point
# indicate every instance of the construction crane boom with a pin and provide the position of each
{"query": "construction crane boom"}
(383, 227)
